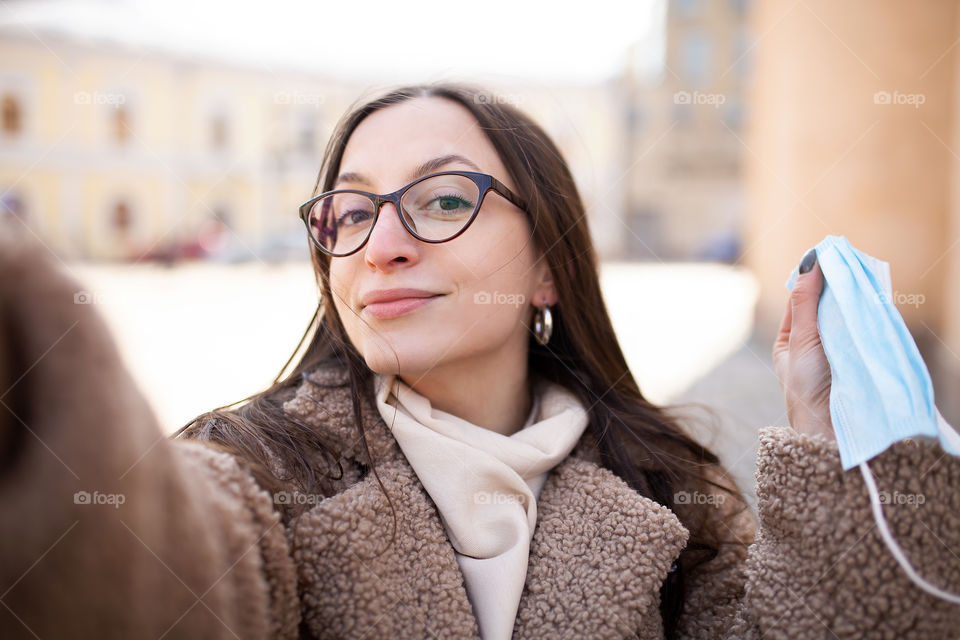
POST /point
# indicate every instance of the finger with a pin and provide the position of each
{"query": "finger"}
(781, 345)
(804, 300)
(786, 322)
(783, 335)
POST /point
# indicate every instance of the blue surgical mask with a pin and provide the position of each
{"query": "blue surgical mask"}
(880, 390)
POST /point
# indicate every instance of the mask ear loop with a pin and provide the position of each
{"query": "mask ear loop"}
(895, 549)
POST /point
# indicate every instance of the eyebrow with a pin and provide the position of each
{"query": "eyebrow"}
(421, 170)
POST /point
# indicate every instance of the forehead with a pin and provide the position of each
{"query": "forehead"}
(389, 142)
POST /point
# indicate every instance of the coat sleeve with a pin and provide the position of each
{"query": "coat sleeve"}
(817, 566)
(110, 529)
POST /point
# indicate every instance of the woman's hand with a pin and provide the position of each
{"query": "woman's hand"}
(799, 359)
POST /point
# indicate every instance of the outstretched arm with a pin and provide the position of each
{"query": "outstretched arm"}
(110, 529)
(818, 567)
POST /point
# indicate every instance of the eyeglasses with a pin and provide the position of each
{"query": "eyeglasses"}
(435, 208)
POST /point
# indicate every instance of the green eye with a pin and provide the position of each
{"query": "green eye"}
(449, 203)
(452, 202)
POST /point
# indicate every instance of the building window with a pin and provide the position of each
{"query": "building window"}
(121, 219)
(743, 42)
(219, 132)
(636, 116)
(12, 122)
(732, 113)
(696, 56)
(121, 124)
(688, 8)
(307, 134)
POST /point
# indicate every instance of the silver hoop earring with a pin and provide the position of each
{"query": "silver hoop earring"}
(543, 324)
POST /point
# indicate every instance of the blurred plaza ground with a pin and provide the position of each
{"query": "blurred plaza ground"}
(200, 335)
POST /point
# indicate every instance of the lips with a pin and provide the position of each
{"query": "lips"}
(398, 306)
(390, 303)
(390, 295)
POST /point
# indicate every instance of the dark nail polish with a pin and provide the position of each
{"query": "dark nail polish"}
(808, 259)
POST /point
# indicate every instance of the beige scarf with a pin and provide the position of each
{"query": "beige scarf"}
(485, 484)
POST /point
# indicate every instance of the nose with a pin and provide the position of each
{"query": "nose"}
(389, 241)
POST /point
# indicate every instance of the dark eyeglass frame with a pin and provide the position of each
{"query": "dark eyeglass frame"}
(485, 183)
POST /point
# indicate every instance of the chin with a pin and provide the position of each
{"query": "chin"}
(409, 357)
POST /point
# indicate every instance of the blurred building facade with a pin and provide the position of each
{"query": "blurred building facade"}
(683, 191)
(109, 152)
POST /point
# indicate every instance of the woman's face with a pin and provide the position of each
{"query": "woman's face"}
(488, 278)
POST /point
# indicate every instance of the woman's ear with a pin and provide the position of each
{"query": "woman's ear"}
(545, 291)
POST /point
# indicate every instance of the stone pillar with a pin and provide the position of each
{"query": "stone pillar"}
(852, 132)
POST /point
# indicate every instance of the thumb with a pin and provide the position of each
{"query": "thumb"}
(804, 300)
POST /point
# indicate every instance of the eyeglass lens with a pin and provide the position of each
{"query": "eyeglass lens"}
(436, 209)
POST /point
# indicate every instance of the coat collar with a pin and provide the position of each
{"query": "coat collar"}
(599, 553)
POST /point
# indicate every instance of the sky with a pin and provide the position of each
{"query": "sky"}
(508, 41)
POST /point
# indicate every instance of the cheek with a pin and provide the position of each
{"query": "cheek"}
(498, 266)
(502, 243)
(495, 285)
(341, 281)
(343, 275)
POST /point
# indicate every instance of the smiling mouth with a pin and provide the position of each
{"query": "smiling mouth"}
(397, 307)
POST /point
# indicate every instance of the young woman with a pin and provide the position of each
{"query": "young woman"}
(461, 451)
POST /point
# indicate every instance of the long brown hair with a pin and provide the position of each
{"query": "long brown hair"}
(640, 442)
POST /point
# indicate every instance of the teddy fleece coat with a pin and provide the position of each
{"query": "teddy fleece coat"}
(111, 530)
